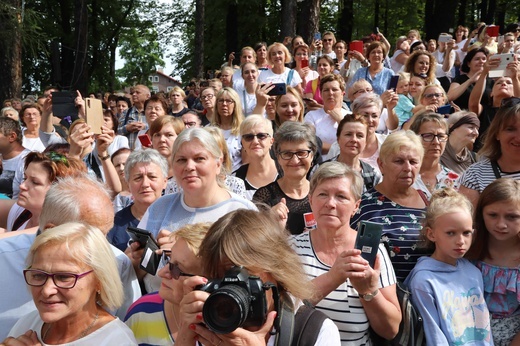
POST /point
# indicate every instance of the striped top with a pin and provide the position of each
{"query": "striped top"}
(480, 174)
(401, 228)
(147, 321)
(343, 305)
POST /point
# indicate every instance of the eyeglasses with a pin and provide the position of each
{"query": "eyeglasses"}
(430, 96)
(288, 155)
(174, 269)
(429, 137)
(189, 124)
(207, 97)
(38, 278)
(510, 102)
(362, 91)
(327, 40)
(248, 137)
(222, 101)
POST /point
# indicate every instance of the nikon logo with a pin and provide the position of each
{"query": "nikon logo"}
(230, 280)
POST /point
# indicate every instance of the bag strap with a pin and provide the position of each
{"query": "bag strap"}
(423, 197)
(289, 77)
(307, 325)
(284, 335)
(496, 169)
(24, 216)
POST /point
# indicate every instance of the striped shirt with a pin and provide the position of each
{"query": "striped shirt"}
(343, 305)
(480, 174)
(401, 228)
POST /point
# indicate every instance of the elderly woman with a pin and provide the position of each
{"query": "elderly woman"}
(254, 244)
(500, 150)
(31, 117)
(295, 147)
(40, 172)
(325, 66)
(433, 175)
(160, 311)
(146, 174)
(352, 138)
(207, 97)
(376, 74)
(326, 119)
(422, 63)
(73, 278)
(177, 96)
(463, 131)
(154, 107)
(278, 55)
(228, 118)
(10, 112)
(257, 140)
(348, 296)
(395, 203)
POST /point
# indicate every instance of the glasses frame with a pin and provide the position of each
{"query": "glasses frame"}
(362, 91)
(52, 275)
(173, 268)
(284, 154)
(432, 95)
(222, 101)
(438, 136)
(249, 137)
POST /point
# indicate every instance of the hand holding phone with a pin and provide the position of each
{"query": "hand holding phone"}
(150, 260)
(145, 140)
(367, 240)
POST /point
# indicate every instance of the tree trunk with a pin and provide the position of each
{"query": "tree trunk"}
(346, 20)
(462, 13)
(80, 74)
(435, 9)
(309, 19)
(199, 38)
(232, 30)
(10, 50)
(288, 17)
(376, 14)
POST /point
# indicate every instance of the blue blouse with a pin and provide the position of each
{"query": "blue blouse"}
(379, 83)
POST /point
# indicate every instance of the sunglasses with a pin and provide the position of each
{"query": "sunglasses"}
(174, 269)
(249, 137)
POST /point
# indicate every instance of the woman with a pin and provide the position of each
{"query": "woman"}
(326, 119)
(422, 63)
(197, 163)
(301, 57)
(73, 278)
(376, 74)
(248, 93)
(124, 197)
(155, 317)
(40, 172)
(461, 86)
(228, 118)
(395, 203)
(146, 172)
(10, 112)
(402, 47)
(191, 119)
(154, 107)
(433, 175)
(111, 122)
(237, 241)
(463, 131)
(261, 56)
(352, 139)
(163, 131)
(207, 97)
(257, 140)
(295, 147)
(500, 150)
(289, 107)
(278, 55)
(432, 97)
(31, 119)
(325, 66)
(347, 296)
(177, 96)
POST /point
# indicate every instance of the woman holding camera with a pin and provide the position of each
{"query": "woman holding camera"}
(251, 243)
(352, 293)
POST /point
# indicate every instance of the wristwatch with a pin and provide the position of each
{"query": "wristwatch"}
(104, 158)
(369, 296)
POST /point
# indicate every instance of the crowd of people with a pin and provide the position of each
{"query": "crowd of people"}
(228, 212)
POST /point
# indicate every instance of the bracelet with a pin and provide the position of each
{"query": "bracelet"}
(104, 158)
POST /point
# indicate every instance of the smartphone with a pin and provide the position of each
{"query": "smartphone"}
(500, 70)
(317, 36)
(377, 30)
(493, 30)
(150, 261)
(392, 84)
(446, 109)
(94, 114)
(305, 63)
(367, 240)
(356, 45)
(63, 104)
(279, 89)
(145, 140)
(500, 39)
(445, 38)
(141, 236)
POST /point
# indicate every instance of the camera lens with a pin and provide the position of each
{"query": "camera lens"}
(226, 309)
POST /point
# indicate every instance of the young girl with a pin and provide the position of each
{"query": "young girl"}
(496, 252)
(446, 288)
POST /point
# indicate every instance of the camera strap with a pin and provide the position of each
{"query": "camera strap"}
(285, 327)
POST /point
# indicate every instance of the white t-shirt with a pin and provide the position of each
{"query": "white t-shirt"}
(325, 125)
(269, 76)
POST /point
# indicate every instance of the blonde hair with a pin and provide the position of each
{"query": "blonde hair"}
(221, 141)
(86, 245)
(254, 120)
(400, 139)
(237, 115)
(192, 234)
(288, 56)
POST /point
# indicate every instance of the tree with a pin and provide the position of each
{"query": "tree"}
(288, 18)
(10, 49)
(199, 37)
(309, 19)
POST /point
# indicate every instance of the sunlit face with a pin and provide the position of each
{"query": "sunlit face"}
(432, 46)
(295, 168)
(58, 304)
(412, 37)
(301, 54)
(119, 163)
(401, 168)
(371, 115)
(324, 68)
(176, 98)
(12, 114)
(153, 110)
(139, 95)
(288, 108)
(333, 203)
(362, 89)
(146, 183)
(332, 95)
(32, 118)
(247, 56)
(416, 86)
(402, 87)
(452, 234)
(277, 56)
(502, 220)
(208, 98)
(477, 63)
(250, 73)
(502, 88)
(121, 106)
(340, 50)
(195, 168)
(328, 42)
(422, 65)
(162, 141)
(435, 148)
(35, 185)
(509, 138)
(257, 148)
(376, 56)
(433, 96)
(352, 139)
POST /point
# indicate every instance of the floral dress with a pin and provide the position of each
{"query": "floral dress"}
(401, 228)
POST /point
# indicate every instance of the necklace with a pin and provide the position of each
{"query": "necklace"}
(85, 332)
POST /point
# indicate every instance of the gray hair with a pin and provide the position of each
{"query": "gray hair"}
(145, 156)
(255, 120)
(336, 170)
(5, 109)
(296, 132)
(367, 100)
(205, 138)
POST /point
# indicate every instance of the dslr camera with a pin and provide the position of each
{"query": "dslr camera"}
(236, 300)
